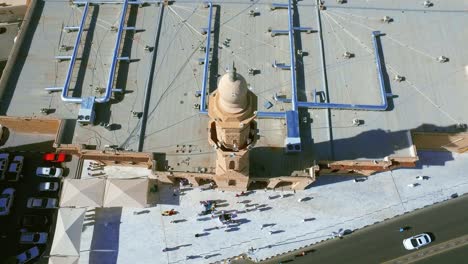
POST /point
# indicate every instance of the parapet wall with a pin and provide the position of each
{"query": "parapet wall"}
(32, 125)
(13, 10)
(109, 157)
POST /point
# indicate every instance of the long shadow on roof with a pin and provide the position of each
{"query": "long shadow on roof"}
(6, 96)
(372, 144)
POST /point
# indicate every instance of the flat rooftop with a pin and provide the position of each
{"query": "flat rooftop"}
(333, 204)
(432, 93)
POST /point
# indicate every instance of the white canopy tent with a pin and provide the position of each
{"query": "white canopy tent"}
(126, 193)
(63, 260)
(68, 229)
(82, 193)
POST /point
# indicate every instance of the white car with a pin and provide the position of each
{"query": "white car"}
(3, 164)
(49, 172)
(6, 201)
(33, 238)
(14, 170)
(41, 203)
(48, 186)
(28, 255)
(417, 241)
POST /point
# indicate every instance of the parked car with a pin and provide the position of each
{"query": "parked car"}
(6, 201)
(4, 157)
(15, 168)
(28, 255)
(41, 203)
(48, 186)
(33, 238)
(50, 172)
(417, 241)
(34, 220)
(55, 157)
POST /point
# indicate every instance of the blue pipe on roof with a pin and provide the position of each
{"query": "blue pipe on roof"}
(206, 63)
(110, 81)
(270, 114)
(292, 55)
(116, 2)
(64, 96)
(383, 94)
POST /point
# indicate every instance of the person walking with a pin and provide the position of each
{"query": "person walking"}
(404, 228)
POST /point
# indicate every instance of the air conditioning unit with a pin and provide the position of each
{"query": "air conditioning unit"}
(86, 114)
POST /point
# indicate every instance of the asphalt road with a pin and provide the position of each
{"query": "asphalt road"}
(383, 242)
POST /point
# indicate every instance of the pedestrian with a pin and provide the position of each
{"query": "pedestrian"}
(174, 192)
(405, 228)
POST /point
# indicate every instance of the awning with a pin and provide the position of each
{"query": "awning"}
(126, 193)
(67, 235)
(82, 193)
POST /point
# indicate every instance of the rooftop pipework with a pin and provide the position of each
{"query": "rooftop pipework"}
(293, 140)
(66, 86)
(291, 116)
(115, 58)
(383, 94)
(109, 87)
(206, 61)
(292, 58)
(205, 73)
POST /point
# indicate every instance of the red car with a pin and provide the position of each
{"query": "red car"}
(55, 157)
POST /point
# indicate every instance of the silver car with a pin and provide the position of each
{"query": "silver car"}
(15, 168)
(417, 241)
(6, 201)
(41, 203)
(33, 238)
(48, 186)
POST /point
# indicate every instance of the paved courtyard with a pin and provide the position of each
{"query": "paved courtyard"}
(332, 203)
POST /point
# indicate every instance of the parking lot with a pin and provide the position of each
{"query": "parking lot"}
(27, 186)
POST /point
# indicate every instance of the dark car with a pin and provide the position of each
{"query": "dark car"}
(34, 220)
(28, 255)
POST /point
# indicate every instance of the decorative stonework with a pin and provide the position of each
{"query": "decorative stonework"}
(232, 130)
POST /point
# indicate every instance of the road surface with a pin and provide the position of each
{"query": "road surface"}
(383, 242)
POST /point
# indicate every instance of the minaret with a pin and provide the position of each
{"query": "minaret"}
(232, 130)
